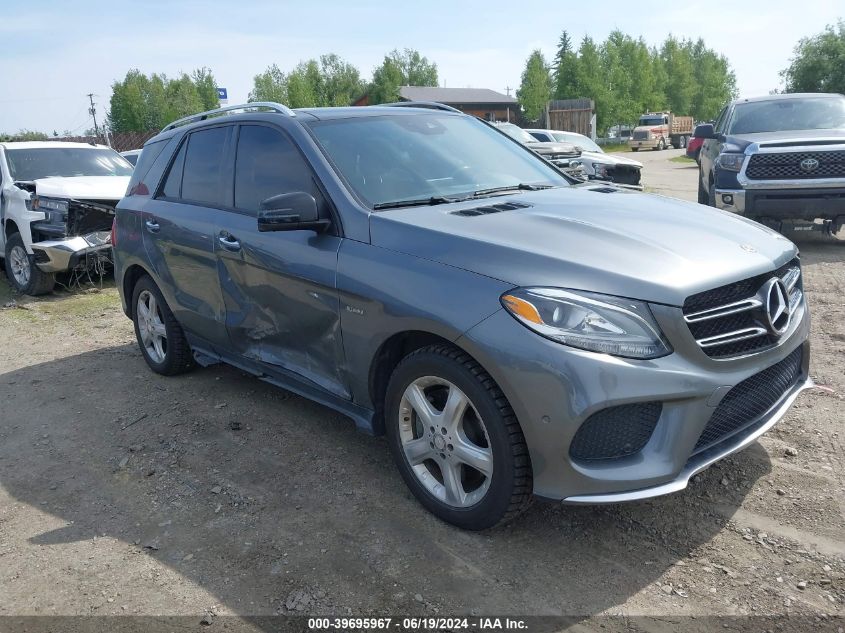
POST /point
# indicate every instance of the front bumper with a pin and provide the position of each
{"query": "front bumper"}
(645, 144)
(553, 389)
(60, 255)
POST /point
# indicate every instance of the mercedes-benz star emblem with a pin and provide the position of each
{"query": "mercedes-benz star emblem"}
(777, 306)
(809, 164)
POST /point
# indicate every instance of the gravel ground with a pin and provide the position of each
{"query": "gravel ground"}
(122, 492)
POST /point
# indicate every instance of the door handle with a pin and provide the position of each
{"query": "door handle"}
(229, 242)
(152, 226)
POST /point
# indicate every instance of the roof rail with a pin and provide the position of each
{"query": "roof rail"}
(431, 105)
(202, 116)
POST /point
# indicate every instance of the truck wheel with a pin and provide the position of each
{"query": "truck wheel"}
(159, 334)
(22, 272)
(683, 142)
(635, 149)
(702, 192)
(661, 145)
(456, 440)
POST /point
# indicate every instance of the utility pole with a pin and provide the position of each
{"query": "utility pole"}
(93, 112)
(508, 90)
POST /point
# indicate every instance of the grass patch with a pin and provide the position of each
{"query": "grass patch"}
(682, 159)
(616, 148)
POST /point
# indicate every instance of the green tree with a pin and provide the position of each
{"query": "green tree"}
(23, 135)
(407, 68)
(565, 69)
(341, 81)
(715, 82)
(271, 85)
(535, 89)
(818, 64)
(680, 87)
(591, 82)
(140, 103)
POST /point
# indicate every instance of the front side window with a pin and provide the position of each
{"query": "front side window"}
(47, 162)
(268, 164)
(203, 175)
(386, 159)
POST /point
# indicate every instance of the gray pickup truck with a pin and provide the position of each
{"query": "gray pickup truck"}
(779, 160)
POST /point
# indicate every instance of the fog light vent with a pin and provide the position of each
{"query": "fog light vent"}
(616, 431)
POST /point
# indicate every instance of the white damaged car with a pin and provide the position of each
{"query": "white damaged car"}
(595, 164)
(56, 209)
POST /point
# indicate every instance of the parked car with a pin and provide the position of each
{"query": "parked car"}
(56, 209)
(513, 333)
(659, 130)
(131, 156)
(695, 143)
(595, 163)
(778, 158)
(560, 154)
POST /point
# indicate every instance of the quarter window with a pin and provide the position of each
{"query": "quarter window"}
(173, 184)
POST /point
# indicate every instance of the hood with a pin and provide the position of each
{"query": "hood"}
(553, 148)
(83, 187)
(792, 137)
(610, 159)
(624, 243)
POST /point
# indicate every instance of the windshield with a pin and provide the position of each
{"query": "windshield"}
(584, 143)
(651, 120)
(44, 162)
(516, 132)
(782, 115)
(386, 159)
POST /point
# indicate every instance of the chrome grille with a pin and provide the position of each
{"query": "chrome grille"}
(728, 321)
(640, 135)
(787, 165)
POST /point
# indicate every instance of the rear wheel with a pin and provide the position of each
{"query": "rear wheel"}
(455, 439)
(22, 272)
(683, 142)
(159, 334)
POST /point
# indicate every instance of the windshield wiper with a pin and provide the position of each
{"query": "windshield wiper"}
(416, 202)
(523, 186)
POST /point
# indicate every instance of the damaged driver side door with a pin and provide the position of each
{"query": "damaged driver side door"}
(282, 306)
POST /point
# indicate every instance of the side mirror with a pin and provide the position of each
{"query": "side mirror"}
(290, 212)
(705, 130)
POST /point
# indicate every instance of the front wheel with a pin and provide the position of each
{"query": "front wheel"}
(455, 439)
(22, 272)
(661, 145)
(159, 334)
(635, 149)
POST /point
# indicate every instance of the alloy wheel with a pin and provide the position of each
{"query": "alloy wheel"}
(21, 270)
(445, 442)
(151, 326)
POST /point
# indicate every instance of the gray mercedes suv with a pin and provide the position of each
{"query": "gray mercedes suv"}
(513, 333)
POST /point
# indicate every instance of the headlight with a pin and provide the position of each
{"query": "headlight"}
(601, 170)
(45, 204)
(595, 322)
(730, 162)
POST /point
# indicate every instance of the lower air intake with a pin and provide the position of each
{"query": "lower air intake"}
(616, 431)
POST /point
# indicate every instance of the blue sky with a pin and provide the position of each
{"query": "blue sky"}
(55, 52)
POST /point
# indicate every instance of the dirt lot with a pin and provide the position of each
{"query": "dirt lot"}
(122, 492)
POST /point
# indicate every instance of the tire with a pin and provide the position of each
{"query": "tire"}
(635, 149)
(702, 192)
(160, 337)
(23, 274)
(711, 195)
(683, 142)
(661, 145)
(487, 431)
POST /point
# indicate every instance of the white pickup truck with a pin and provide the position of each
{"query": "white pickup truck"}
(56, 208)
